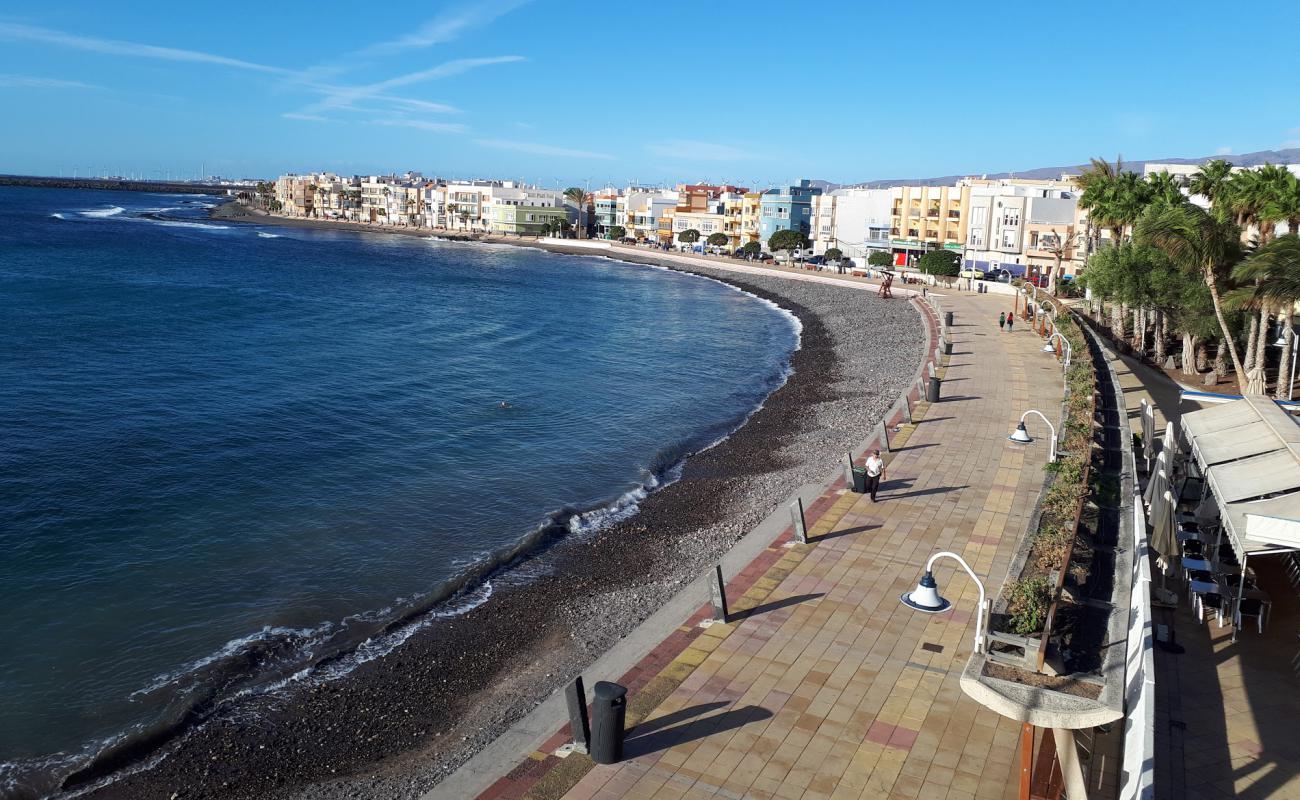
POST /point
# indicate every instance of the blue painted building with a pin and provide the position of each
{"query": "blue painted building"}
(786, 209)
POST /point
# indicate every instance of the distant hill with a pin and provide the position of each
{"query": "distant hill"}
(1288, 156)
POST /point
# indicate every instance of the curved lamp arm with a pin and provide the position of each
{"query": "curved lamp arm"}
(1051, 452)
(1064, 343)
(983, 608)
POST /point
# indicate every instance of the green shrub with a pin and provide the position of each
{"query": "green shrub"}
(1027, 604)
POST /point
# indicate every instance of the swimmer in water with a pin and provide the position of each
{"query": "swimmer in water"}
(504, 404)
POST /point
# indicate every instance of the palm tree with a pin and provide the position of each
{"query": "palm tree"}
(579, 198)
(1096, 183)
(1198, 241)
(1210, 179)
(1165, 188)
(1060, 246)
(1275, 271)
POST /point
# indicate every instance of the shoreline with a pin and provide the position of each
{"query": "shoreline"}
(396, 725)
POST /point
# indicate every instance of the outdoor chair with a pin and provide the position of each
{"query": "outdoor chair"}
(1214, 601)
(1251, 607)
(1194, 548)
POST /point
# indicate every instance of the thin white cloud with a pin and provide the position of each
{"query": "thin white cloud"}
(304, 117)
(35, 82)
(690, 150)
(540, 149)
(418, 105)
(446, 27)
(346, 96)
(10, 31)
(1223, 151)
(423, 125)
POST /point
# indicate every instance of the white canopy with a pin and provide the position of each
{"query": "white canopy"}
(1247, 427)
(1249, 450)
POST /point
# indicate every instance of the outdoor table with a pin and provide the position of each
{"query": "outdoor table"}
(1189, 535)
(1197, 587)
(1200, 564)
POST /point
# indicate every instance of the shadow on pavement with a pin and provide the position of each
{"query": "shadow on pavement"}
(690, 731)
(763, 608)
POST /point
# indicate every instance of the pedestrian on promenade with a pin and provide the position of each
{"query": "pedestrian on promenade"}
(1002, 321)
(1011, 321)
(875, 473)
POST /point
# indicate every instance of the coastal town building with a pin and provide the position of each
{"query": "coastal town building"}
(855, 221)
(787, 209)
(924, 218)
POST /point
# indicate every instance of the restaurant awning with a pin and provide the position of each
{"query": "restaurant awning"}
(1249, 451)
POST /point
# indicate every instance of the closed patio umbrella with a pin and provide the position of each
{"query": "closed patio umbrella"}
(1163, 534)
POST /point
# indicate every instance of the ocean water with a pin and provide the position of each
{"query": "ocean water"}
(228, 449)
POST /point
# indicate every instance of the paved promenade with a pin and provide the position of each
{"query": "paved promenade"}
(824, 685)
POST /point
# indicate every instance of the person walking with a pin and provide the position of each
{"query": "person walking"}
(875, 473)
(1011, 321)
(1002, 321)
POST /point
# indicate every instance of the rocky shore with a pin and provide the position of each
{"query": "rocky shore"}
(394, 726)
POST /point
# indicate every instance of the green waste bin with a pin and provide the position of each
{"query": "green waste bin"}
(860, 480)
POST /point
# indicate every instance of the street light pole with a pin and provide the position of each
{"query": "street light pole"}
(926, 598)
(1022, 436)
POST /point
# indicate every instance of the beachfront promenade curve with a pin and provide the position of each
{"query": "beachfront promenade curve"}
(824, 685)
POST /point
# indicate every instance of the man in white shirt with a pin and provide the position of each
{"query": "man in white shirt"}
(875, 473)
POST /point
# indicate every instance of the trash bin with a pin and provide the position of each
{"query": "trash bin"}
(608, 715)
(932, 391)
(860, 480)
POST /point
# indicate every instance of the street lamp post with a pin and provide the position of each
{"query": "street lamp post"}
(926, 598)
(1048, 348)
(1022, 436)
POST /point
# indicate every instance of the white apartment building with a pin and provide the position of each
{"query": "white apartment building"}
(644, 208)
(1001, 212)
(854, 220)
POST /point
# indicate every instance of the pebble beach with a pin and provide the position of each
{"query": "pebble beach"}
(394, 726)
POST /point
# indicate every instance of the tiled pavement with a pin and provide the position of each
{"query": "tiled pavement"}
(1227, 714)
(831, 688)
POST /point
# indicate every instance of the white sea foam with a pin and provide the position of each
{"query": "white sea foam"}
(100, 213)
(172, 223)
(59, 216)
(307, 637)
(264, 235)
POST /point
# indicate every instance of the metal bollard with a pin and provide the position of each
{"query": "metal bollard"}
(609, 714)
(932, 390)
(848, 469)
(882, 436)
(907, 408)
(796, 516)
(947, 347)
(579, 726)
(947, 318)
(718, 590)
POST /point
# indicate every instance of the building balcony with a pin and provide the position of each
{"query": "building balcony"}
(954, 215)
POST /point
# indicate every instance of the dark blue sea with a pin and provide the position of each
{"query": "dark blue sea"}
(229, 449)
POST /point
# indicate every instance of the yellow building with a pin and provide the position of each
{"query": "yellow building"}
(924, 218)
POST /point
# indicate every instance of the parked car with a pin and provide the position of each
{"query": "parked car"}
(977, 274)
(818, 260)
(999, 275)
(764, 256)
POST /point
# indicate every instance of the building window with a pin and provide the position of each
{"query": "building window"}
(1010, 217)
(1009, 237)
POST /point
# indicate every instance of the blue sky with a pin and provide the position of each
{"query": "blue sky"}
(556, 90)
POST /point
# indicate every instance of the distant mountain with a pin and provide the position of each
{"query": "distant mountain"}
(1287, 156)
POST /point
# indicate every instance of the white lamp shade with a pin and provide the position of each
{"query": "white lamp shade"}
(1047, 348)
(925, 597)
(1021, 435)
